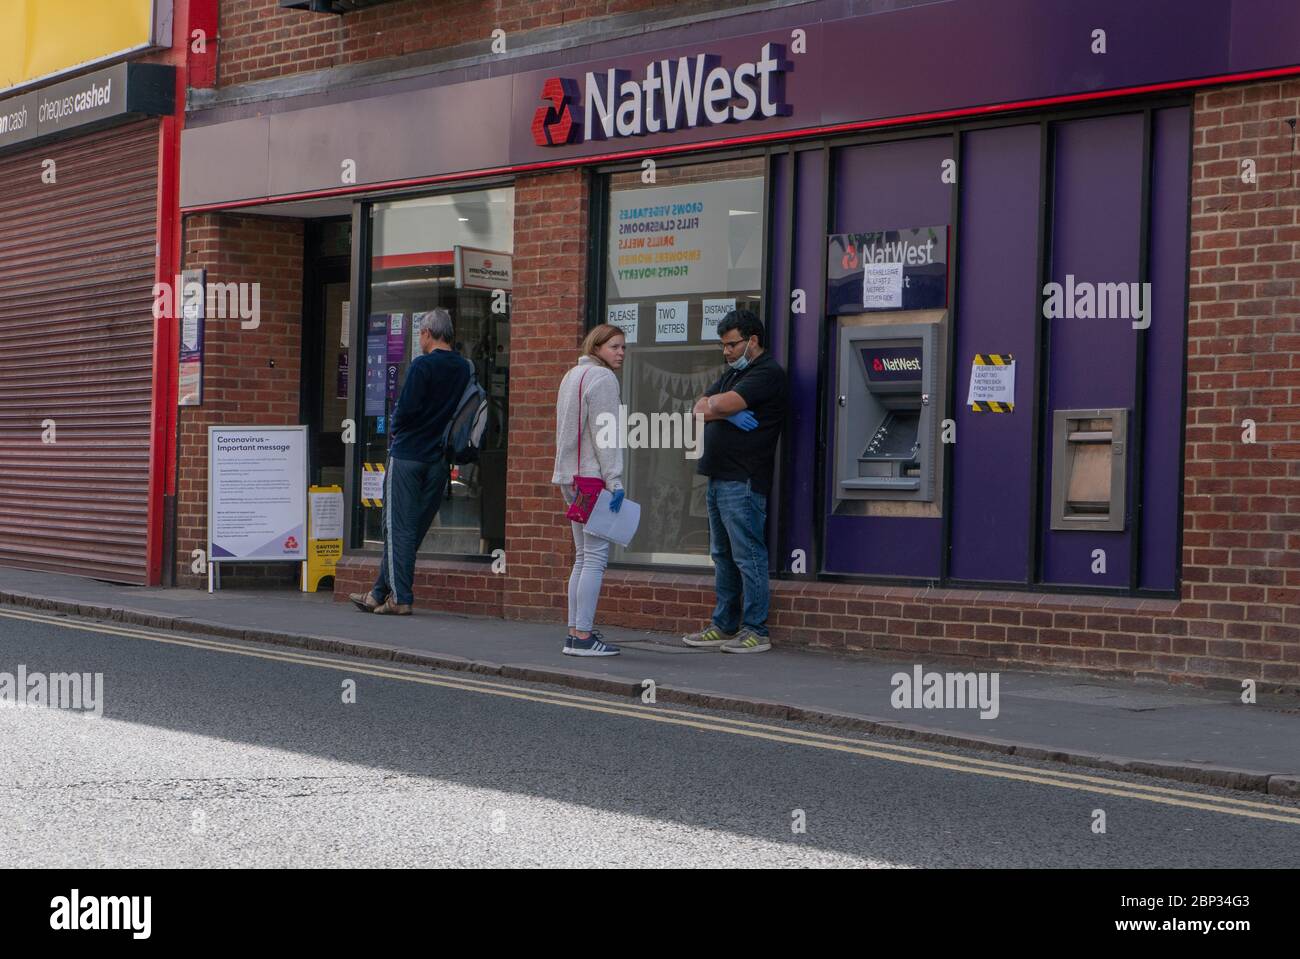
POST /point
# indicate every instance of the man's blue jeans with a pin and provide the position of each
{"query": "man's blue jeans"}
(412, 494)
(738, 545)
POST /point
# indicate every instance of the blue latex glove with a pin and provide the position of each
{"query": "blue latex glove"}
(744, 420)
(616, 501)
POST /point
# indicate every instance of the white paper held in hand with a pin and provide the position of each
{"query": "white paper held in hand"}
(617, 527)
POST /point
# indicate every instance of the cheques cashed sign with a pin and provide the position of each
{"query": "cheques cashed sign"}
(673, 94)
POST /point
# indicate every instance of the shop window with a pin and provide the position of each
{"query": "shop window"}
(680, 254)
(452, 251)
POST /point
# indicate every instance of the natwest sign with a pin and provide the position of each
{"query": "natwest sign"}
(674, 94)
(894, 364)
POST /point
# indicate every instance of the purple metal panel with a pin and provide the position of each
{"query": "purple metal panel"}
(997, 312)
(1162, 438)
(882, 187)
(778, 323)
(1097, 217)
(1263, 34)
(971, 52)
(891, 186)
(805, 356)
(905, 547)
(910, 59)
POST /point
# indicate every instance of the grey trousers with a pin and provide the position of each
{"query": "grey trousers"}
(589, 562)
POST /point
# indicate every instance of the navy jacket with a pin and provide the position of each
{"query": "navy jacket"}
(433, 388)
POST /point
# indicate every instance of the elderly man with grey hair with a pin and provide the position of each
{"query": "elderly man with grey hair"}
(416, 476)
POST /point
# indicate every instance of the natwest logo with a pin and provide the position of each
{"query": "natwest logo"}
(673, 95)
(892, 364)
(555, 125)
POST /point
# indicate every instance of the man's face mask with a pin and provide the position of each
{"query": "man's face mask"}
(742, 361)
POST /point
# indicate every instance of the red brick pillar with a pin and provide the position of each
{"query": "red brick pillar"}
(250, 376)
(1241, 544)
(546, 328)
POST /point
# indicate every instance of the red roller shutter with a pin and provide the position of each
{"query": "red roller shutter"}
(76, 345)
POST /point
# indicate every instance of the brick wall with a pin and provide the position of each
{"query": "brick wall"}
(546, 326)
(240, 384)
(261, 40)
(1239, 615)
(1242, 540)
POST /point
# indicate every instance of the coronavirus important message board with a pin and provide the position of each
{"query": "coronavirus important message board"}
(257, 494)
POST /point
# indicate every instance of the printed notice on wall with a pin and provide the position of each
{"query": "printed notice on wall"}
(882, 286)
(670, 322)
(992, 383)
(625, 317)
(372, 486)
(416, 320)
(714, 311)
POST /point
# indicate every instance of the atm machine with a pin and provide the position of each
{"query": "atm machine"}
(888, 410)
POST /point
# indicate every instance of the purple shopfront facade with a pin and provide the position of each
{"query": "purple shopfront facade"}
(1054, 141)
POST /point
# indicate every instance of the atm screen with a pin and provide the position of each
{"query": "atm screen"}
(891, 364)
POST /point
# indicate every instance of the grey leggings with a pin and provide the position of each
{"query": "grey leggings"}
(588, 571)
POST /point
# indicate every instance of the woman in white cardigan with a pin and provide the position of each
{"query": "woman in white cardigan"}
(579, 417)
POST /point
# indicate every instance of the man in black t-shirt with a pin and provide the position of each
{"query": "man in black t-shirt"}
(743, 413)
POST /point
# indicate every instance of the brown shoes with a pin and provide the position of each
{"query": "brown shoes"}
(363, 601)
(390, 607)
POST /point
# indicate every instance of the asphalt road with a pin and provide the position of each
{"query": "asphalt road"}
(218, 753)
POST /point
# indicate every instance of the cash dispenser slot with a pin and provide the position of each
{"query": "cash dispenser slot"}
(1089, 468)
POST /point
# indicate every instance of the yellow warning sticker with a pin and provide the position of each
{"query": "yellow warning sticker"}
(992, 383)
(372, 484)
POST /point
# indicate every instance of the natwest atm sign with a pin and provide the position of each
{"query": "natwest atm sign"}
(674, 94)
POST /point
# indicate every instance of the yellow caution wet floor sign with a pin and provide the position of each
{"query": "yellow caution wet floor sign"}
(325, 533)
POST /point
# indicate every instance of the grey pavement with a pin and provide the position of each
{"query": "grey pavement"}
(1179, 732)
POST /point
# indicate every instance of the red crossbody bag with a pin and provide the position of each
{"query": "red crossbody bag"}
(585, 488)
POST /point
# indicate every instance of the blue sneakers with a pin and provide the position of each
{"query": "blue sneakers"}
(570, 639)
(592, 646)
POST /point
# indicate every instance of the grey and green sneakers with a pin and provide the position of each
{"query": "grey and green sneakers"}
(709, 636)
(747, 641)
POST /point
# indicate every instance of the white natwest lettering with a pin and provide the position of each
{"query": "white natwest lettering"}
(894, 365)
(671, 94)
(900, 252)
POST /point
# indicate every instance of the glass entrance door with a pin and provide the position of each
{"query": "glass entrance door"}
(455, 252)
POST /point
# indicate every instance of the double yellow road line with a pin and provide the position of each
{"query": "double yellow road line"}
(873, 749)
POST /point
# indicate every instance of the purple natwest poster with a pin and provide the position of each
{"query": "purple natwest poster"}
(376, 363)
